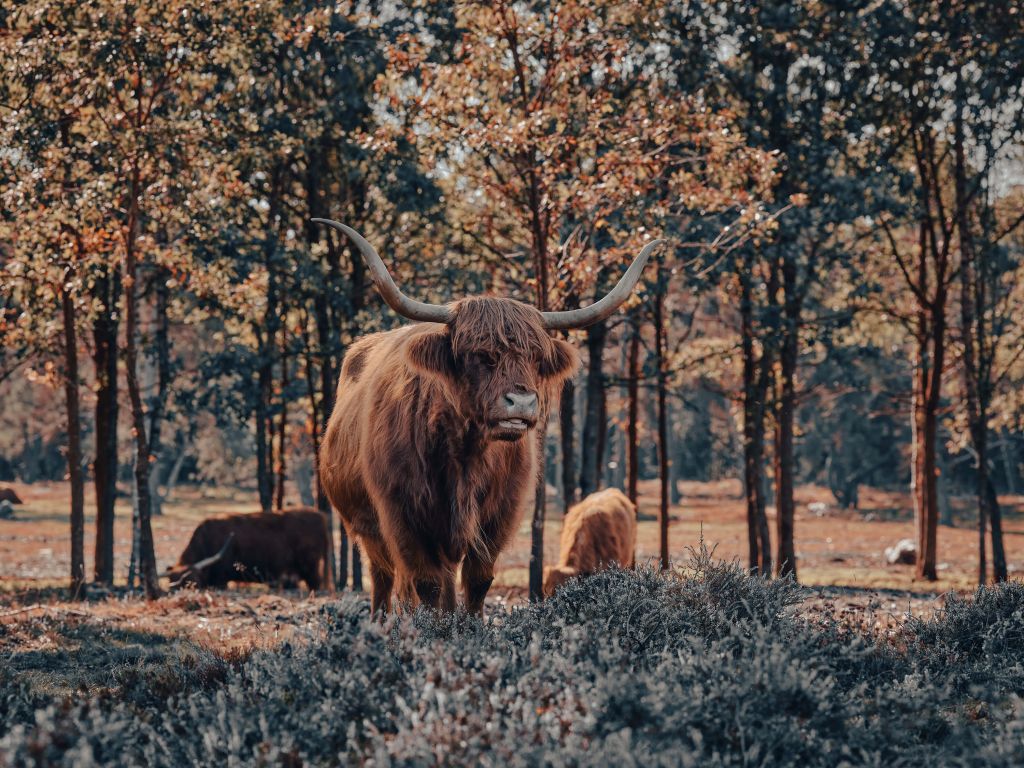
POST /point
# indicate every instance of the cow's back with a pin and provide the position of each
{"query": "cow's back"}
(598, 531)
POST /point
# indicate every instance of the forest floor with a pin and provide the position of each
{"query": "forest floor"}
(59, 646)
(840, 558)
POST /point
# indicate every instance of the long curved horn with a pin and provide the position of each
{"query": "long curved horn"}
(398, 301)
(599, 310)
(205, 563)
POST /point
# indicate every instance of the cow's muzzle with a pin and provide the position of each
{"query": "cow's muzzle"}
(517, 417)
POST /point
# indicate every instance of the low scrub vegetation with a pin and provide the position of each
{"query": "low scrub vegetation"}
(705, 666)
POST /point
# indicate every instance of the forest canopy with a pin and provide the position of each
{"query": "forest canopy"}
(840, 186)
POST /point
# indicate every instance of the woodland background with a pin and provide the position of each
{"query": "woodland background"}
(840, 303)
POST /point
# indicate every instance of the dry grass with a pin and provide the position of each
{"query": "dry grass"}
(838, 550)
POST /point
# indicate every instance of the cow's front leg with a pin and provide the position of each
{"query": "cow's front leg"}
(381, 583)
(437, 591)
(477, 576)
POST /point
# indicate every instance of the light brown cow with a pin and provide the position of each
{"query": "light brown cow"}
(597, 533)
(430, 453)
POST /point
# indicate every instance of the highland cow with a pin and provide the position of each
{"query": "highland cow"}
(8, 494)
(264, 547)
(599, 532)
(430, 454)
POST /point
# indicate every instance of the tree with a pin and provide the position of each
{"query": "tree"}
(925, 57)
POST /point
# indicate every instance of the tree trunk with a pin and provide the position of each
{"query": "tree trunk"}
(755, 388)
(999, 573)
(105, 465)
(537, 524)
(567, 427)
(632, 442)
(785, 506)
(159, 402)
(927, 512)
(594, 419)
(1009, 466)
(282, 428)
(664, 468)
(322, 505)
(327, 385)
(75, 474)
(175, 473)
(146, 554)
(263, 470)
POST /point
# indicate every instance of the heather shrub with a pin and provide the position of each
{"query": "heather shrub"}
(703, 666)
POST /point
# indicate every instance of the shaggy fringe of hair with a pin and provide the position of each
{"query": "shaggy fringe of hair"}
(486, 323)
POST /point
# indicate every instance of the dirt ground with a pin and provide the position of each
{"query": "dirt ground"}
(839, 552)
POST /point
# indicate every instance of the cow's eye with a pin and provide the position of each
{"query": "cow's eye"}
(486, 359)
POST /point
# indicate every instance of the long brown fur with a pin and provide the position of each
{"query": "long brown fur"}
(409, 458)
(598, 532)
(267, 547)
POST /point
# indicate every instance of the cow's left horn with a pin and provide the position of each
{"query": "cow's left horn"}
(398, 301)
(599, 310)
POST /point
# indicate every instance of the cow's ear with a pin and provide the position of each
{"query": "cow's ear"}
(561, 361)
(432, 353)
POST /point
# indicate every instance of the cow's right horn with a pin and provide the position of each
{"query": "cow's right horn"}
(599, 310)
(398, 301)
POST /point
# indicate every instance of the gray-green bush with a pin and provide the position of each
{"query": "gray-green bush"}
(707, 666)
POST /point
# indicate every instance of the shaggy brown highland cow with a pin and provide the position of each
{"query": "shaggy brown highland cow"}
(8, 494)
(597, 533)
(430, 455)
(263, 547)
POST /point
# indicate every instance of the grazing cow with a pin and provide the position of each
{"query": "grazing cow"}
(597, 533)
(430, 453)
(261, 547)
(8, 494)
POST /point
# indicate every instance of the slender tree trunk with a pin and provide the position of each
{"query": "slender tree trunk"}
(999, 572)
(1009, 467)
(282, 427)
(146, 554)
(108, 288)
(539, 237)
(321, 498)
(263, 387)
(755, 389)
(537, 524)
(594, 421)
(784, 463)
(928, 502)
(159, 401)
(567, 427)
(664, 468)
(632, 441)
(75, 474)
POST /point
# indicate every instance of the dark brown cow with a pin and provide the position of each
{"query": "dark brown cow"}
(8, 494)
(430, 455)
(265, 547)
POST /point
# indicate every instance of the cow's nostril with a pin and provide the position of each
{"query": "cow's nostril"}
(523, 401)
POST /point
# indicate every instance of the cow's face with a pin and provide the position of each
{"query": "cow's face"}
(501, 364)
